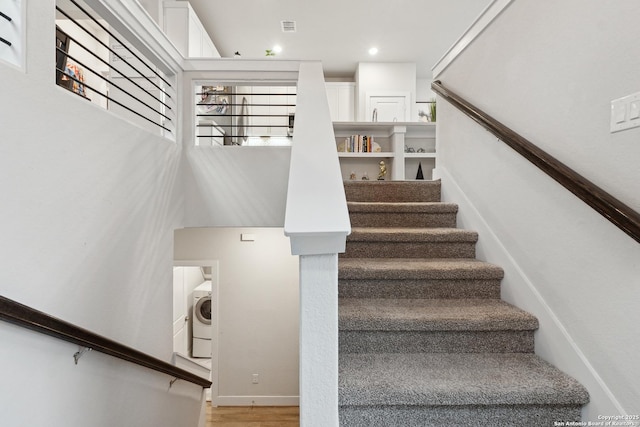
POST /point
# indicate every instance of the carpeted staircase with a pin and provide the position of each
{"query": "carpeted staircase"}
(424, 338)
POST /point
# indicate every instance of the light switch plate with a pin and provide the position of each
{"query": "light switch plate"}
(619, 112)
(634, 110)
(625, 112)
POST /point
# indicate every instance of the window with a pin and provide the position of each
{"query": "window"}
(96, 63)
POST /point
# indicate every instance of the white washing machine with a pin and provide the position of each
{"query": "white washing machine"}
(201, 344)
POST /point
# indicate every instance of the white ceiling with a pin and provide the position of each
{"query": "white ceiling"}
(340, 32)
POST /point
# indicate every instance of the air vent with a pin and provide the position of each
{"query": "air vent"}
(288, 26)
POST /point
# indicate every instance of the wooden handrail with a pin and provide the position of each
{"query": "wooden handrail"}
(27, 317)
(620, 214)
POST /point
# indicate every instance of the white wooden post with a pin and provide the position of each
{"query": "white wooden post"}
(317, 222)
(318, 340)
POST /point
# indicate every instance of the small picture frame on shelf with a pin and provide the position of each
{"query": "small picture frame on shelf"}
(73, 78)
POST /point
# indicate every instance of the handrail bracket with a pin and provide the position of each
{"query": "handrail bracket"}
(78, 354)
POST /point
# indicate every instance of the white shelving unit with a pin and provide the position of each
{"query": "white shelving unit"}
(394, 138)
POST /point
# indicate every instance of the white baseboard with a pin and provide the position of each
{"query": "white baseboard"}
(255, 401)
(552, 341)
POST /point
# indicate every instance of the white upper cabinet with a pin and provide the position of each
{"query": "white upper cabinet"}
(186, 32)
(341, 97)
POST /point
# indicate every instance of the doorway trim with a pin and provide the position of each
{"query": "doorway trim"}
(213, 393)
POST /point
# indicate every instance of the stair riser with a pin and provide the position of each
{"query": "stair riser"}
(431, 289)
(460, 416)
(365, 219)
(407, 359)
(362, 249)
(392, 192)
(436, 342)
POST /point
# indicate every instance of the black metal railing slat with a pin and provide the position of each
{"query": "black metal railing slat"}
(114, 85)
(113, 100)
(245, 126)
(112, 68)
(240, 105)
(116, 54)
(5, 16)
(243, 115)
(7, 42)
(118, 40)
(245, 94)
(231, 116)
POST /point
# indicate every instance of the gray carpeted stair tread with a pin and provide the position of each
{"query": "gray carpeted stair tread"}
(424, 338)
(459, 416)
(417, 268)
(428, 379)
(464, 341)
(432, 315)
(392, 191)
(373, 234)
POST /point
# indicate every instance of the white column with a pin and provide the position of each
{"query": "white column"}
(317, 222)
(319, 340)
(397, 142)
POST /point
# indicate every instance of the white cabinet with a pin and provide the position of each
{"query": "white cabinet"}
(389, 107)
(403, 146)
(184, 29)
(341, 97)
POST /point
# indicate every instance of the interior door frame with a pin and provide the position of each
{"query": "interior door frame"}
(214, 264)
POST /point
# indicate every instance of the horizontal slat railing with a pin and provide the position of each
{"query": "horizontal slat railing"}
(27, 317)
(617, 212)
(8, 18)
(238, 115)
(127, 80)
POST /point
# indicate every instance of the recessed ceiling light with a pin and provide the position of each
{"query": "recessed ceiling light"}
(277, 49)
(373, 51)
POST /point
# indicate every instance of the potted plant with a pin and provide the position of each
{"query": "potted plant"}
(432, 109)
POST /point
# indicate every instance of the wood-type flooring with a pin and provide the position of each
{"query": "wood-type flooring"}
(256, 416)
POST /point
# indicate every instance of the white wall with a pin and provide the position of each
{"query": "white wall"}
(423, 90)
(384, 77)
(424, 93)
(549, 71)
(257, 312)
(235, 186)
(90, 203)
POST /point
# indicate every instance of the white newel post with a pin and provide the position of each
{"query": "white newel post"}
(317, 222)
(319, 340)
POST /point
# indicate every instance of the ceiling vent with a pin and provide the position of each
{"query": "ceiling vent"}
(288, 26)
